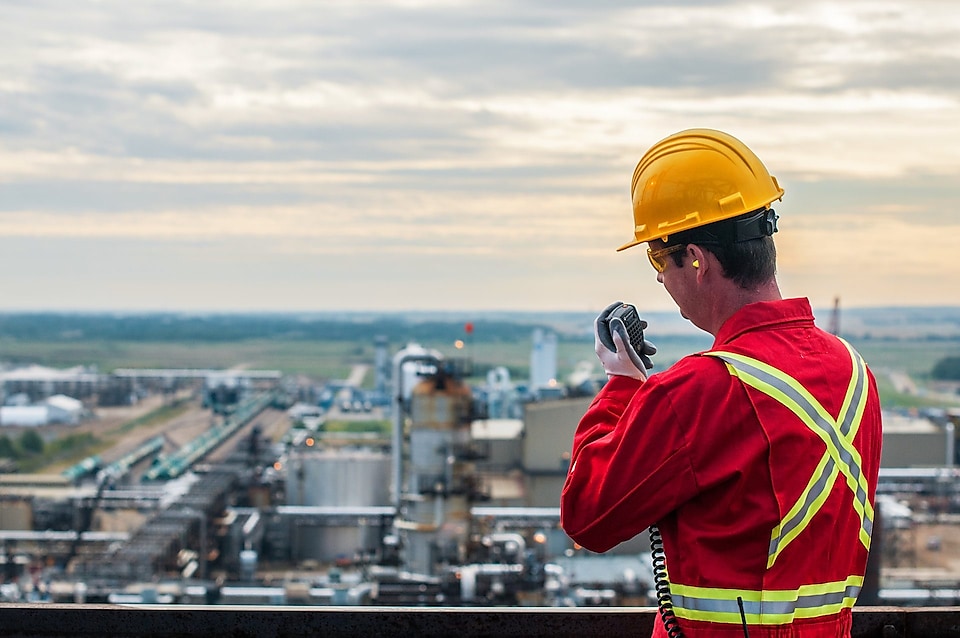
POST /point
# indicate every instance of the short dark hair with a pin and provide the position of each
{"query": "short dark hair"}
(748, 263)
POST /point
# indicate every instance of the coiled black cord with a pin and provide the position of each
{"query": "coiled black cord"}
(662, 585)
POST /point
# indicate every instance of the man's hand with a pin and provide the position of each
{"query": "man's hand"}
(621, 359)
(641, 357)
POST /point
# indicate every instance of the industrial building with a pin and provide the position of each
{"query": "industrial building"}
(454, 509)
(40, 382)
(57, 409)
(914, 441)
(458, 507)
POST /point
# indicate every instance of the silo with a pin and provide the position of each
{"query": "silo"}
(336, 478)
(341, 478)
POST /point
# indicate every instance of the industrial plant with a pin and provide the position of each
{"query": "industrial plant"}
(250, 499)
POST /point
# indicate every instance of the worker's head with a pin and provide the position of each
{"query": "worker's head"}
(742, 245)
(705, 187)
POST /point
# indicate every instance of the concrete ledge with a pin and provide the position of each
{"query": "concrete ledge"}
(61, 621)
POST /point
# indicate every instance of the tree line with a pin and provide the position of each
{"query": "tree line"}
(55, 327)
(946, 369)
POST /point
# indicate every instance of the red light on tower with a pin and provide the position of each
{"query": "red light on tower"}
(468, 328)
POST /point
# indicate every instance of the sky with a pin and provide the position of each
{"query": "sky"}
(375, 155)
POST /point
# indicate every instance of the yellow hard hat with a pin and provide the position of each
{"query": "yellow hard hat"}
(693, 178)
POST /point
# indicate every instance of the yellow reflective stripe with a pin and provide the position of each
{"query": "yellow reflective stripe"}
(836, 436)
(856, 398)
(811, 500)
(856, 391)
(793, 395)
(850, 420)
(765, 607)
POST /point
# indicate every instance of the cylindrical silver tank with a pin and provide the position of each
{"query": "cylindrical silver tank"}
(337, 478)
(357, 478)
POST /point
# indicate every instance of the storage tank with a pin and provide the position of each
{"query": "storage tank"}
(355, 478)
(336, 478)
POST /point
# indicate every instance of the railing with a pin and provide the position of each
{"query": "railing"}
(62, 621)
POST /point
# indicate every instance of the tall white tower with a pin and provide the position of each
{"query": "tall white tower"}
(543, 359)
(381, 364)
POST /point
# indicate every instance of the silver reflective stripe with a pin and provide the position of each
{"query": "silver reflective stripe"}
(860, 380)
(762, 607)
(824, 482)
(838, 436)
(826, 428)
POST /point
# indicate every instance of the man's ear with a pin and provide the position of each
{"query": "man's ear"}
(697, 257)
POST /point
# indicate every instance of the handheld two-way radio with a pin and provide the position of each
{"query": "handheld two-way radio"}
(627, 316)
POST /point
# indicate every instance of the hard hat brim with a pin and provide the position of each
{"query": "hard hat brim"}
(631, 244)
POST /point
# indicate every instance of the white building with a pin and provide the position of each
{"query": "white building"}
(56, 409)
(64, 409)
(23, 415)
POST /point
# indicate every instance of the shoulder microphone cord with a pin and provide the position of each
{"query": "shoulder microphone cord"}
(662, 585)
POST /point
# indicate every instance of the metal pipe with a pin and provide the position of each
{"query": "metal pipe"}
(505, 538)
(951, 442)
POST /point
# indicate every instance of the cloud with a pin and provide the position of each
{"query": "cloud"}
(411, 138)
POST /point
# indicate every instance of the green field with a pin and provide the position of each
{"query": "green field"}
(319, 360)
(915, 357)
(323, 360)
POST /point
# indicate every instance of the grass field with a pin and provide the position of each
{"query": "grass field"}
(325, 360)
(322, 360)
(915, 357)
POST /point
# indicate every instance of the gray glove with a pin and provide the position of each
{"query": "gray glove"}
(646, 349)
(612, 345)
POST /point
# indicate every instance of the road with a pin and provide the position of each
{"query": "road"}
(357, 373)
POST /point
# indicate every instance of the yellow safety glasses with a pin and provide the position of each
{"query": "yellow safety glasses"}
(658, 257)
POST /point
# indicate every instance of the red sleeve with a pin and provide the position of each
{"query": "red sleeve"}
(629, 465)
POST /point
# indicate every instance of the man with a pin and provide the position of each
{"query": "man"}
(757, 460)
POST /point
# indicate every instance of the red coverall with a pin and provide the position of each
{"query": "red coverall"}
(724, 469)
